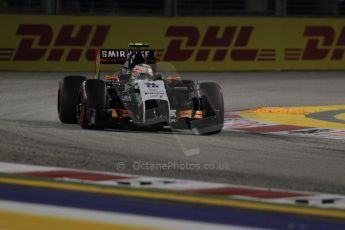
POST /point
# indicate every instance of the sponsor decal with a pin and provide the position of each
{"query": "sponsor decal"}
(173, 116)
(37, 40)
(119, 56)
(113, 54)
(322, 43)
(215, 43)
(151, 95)
(231, 43)
(151, 85)
(154, 93)
(126, 98)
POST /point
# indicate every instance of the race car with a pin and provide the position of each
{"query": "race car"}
(139, 97)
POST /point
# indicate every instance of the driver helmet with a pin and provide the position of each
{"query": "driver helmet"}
(142, 69)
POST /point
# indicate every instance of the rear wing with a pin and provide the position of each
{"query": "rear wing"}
(120, 56)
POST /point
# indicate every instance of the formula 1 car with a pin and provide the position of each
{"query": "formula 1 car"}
(137, 96)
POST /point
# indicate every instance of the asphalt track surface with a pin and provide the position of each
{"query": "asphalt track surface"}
(31, 133)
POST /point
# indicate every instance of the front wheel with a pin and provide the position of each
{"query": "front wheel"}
(92, 102)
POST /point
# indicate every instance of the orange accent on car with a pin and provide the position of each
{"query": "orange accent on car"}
(198, 114)
(127, 113)
(114, 113)
(111, 78)
(185, 113)
(174, 78)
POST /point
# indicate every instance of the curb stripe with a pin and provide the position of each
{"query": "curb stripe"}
(332, 213)
(91, 176)
(179, 211)
(255, 193)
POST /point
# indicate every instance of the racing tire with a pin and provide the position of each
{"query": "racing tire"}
(92, 104)
(68, 98)
(212, 104)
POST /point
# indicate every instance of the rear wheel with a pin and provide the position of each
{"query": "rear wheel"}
(213, 106)
(68, 98)
(92, 103)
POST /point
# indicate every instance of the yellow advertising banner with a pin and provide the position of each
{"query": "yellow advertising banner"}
(69, 43)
